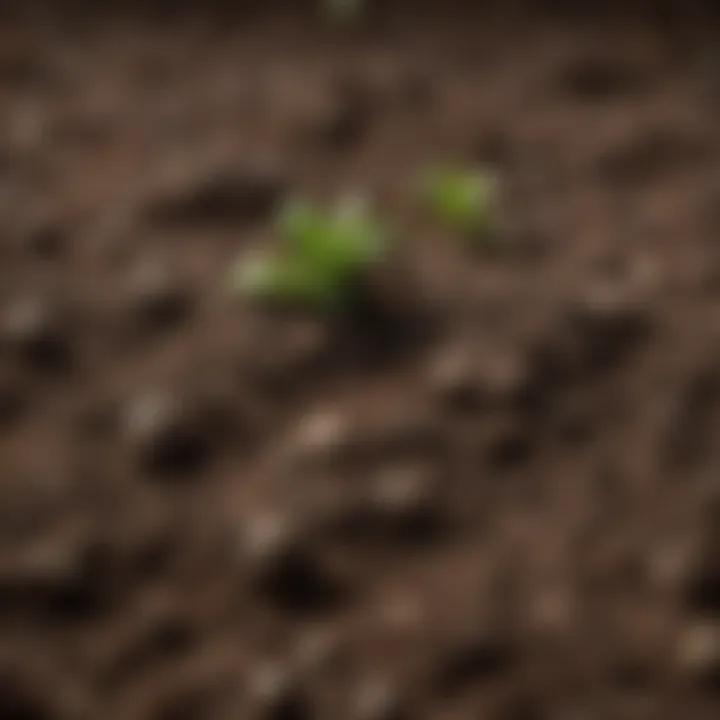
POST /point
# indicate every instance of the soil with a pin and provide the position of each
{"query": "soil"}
(497, 495)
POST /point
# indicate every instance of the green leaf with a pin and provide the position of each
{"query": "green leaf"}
(323, 254)
(464, 199)
(296, 220)
(279, 281)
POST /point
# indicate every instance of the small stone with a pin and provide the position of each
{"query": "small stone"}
(277, 694)
(167, 438)
(285, 569)
(38, 334)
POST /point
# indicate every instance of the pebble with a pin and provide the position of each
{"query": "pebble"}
(168, 439)
(36, 332)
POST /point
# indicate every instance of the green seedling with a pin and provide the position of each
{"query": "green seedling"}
(324, 255)
(465, 200)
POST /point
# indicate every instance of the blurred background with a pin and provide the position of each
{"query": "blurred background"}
(487, 486)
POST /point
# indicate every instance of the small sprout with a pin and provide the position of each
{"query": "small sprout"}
(465, 200)
(324, 254)
(345, 11)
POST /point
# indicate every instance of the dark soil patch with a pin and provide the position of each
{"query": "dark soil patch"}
(492, 491)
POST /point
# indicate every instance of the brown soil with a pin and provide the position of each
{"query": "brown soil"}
(497, 497)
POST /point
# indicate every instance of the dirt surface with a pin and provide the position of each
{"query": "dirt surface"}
(497, 497)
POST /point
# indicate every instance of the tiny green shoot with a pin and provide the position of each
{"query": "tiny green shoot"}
(324, 253)
(465, 200)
